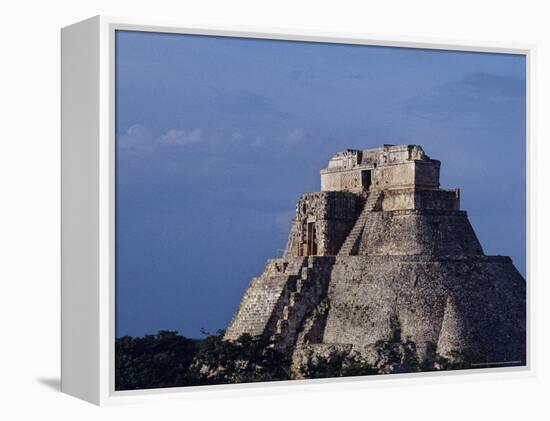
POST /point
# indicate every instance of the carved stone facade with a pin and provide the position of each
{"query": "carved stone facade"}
(383, 251)
(322, 222)
(388, 167)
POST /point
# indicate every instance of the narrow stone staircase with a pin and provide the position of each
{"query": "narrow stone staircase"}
(351, 244)
(305, 292)
(263, 297)
(287, 321)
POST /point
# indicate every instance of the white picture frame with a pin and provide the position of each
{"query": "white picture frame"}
(88, 164)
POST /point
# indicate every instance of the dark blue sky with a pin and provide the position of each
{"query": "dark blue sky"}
(216, 138)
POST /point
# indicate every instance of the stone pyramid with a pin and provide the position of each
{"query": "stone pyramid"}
(383, 252)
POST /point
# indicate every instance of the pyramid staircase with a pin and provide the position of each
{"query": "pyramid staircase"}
(288, 320)
(350, 246)
(305, 291)
(263, 297)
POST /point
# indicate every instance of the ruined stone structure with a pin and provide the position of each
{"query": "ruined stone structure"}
(382, 252)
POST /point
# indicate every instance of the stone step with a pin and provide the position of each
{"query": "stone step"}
(359, 226)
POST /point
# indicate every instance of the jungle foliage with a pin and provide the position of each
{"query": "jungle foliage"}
(168, 359)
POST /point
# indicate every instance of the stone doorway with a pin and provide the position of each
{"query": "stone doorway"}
(310, 245)
(366, 179)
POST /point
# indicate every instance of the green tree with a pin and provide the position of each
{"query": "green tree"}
(396, 356)
(153, 361)
(248, 359)
(336, 364)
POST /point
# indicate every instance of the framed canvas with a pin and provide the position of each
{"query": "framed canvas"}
(245, 209)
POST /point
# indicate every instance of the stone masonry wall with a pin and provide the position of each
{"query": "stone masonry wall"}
(470, 304)
(417, 232)
(333, 214)
(411, 199)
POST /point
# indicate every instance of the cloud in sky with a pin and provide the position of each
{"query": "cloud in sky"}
(476, 100)
(182, 137)
(136, 139)
(139, 139)
(295, 136)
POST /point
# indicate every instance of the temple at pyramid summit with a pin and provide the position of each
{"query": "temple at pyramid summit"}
(384, 253)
